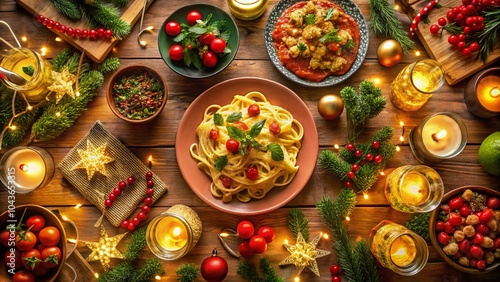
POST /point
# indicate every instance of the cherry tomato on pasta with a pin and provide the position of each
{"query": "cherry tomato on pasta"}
(233, 146)
(252, 173)
(172, 28)
(241, 125)
(226, 181)
(193, 16)
(274, 128)
(214, 134)
(253, 110)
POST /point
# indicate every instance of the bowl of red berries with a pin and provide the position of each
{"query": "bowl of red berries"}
(465, 229)
(198, 40)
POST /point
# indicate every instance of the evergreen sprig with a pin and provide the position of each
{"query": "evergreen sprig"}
(341, 163)
(249, 273)
(353, 260)
(297, 222)
(420, 224)
(368, 103)
(187, 272)
(148, 271)
(68, 8)
(137, 243)
(384, 22)
(489, 36)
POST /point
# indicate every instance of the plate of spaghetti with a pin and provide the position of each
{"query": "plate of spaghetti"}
(247, 146)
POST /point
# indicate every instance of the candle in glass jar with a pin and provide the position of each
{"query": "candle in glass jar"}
(247, 9)
(482, 93)
(415, 189)
(26, 168)
(403, 251)
(171, 234)
(488, 93)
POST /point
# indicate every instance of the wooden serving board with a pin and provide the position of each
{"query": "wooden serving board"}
(456, 66)
(96, 49)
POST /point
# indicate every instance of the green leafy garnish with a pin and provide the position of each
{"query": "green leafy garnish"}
(301, 46)
(29, 70)
(256, 129)
(218, 119)
(329, 14)
(235, 133)
(236, 116)
(220, 163)
(350, 44)
(310, 19)
(276, 152)
(330, 36)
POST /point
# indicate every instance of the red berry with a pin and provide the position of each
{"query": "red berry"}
(369, 157)
(439, 225)
(462, 37)
(336, 279)
(148, 201)
(108, 203)
(122, 185)
(434, 28)
(124, 224)
(348, 184)
(349, 147)
(62, 29)
(117, 191)
(69, 31)
(245, 229)
(464, 211)
(334, 269)
(453, 39)
(112, 196)
(130, 180)
(100, 32)
(92, 33)
(378, 159)
(476, 252)
(358, 153)
(467, 30)
(150, 183)
(461, 45)
(450, 16)
(477, 239)
(149, 175)
(244, 250)
(355, 167)
(442, 21)
(350, 174)
(375, 144)
(50, 23)
(482, 228)
(145, 209)
(141, 216)
(108, 33)
(77, 32)
(474, 46)
(130, 226)
(40, 18)
(443, 238)
(150, 192)
(136, 221)
(84, 34)
(481, 264)
(456, 203)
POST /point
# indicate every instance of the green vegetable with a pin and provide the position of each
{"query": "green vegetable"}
(220, 163)
(236, 116)
(310, 19)
(420, 225)
(218, 119)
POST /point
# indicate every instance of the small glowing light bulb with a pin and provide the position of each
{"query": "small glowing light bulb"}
(29, 108)
(396, 7)
(401, 138)
(325, 236)
(376, 80)
(58, 39)
(347, 218)
(398, 149)
(78, 206)
(58, 114)
(96, 275)
(24, 39)
(65, 218)
(365, 196)
(43, 50)
(13, 127)
(286, 241)
(336, 146)
(382, 173)
(417, 53)
(401, 123)
(143, 43)
(157, 277)
(296, 279)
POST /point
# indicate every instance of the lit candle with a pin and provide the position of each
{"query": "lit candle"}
(26, 168)
(482, 93)
(440, 136)
(414, 188)
(415, 84)
(174, 232)
(171, 233)
(403, 251)
(247, 9)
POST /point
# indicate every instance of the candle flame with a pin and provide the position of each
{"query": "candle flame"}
(440, 135)
(401, 251)
(24, 167)
(495, 92)
(150, 158)
(177, 231)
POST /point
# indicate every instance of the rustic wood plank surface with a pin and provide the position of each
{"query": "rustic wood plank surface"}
(157, 139)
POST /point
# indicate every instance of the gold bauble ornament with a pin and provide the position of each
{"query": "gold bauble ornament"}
(389, 53)
(330, 106)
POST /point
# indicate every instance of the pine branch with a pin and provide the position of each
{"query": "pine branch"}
(269, 274)
(367, 261)
(488, 36)
(249, 273)
(122, 272)
(68, 8)
(297, 222)
(111, 64)
(383, 22)
(148, 271)
(137, 243)
(61, 60)
(334, 164)
(108, 16)
(420, 225)
(187, 272)
(120, 3)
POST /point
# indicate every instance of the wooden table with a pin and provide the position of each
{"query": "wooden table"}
(157, 140)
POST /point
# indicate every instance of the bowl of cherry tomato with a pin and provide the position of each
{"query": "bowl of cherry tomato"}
(465, 229)
(33, 244)
(198, 40)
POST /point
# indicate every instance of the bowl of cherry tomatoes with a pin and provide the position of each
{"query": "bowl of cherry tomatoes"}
(465, 229)
(33, 244)
(198, 40)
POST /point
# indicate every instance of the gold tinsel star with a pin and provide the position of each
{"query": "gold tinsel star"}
(63, 84)
(105, 248)
(93, 159)
(304, 254)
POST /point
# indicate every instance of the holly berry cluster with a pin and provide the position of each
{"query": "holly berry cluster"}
(75, 32)
(335, 272)
(148, 201)
(469, 229)
(463, 21)
(253, 244)
(363, 158)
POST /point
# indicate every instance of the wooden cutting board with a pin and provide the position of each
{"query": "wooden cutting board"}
(97, 49)
(456, 66)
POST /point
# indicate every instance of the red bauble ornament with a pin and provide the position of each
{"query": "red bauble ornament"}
(214, 268)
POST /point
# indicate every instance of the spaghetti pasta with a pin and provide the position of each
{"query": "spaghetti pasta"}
(269, 142)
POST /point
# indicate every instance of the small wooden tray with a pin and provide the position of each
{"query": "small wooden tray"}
(456, 66)
(97, 49)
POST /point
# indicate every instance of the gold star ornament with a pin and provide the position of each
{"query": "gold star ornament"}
(93, 159)
(304, 254)
(62, 84)
(105, 249)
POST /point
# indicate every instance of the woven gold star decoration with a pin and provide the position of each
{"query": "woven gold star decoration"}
(304, 254)
(105, 249)
(62, 84)
(93, 159)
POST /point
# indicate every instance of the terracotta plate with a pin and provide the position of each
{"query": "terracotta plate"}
(223, 94)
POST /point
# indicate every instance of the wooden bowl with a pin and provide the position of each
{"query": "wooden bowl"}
(432, 228)
(50, 220)
(127, 72)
